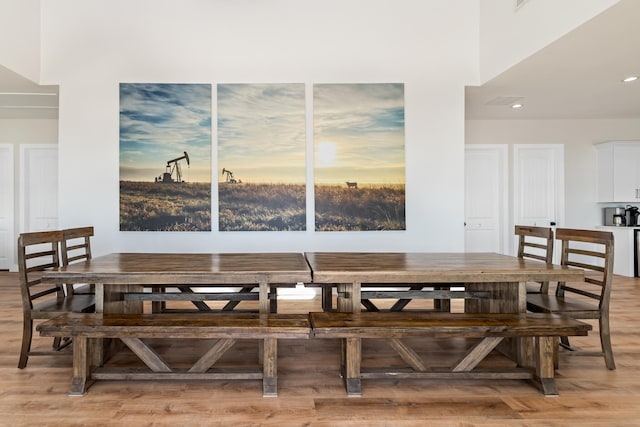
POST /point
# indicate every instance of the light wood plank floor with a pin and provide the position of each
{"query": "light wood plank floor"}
(311, 392)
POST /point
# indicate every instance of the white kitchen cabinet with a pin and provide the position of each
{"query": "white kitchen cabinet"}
(623, 249)
(618, 171)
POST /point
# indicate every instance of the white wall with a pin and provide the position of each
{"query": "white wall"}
(88, 48)
(20, 24)
(578, 137)
(507, 35)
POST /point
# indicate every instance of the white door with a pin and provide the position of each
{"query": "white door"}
(38, 187)
(7, 241)
(538, 184)
(485, 206)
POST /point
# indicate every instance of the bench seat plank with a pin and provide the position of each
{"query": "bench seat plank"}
(490, 329)
(178, 325)
(131, 329)
(470, 325)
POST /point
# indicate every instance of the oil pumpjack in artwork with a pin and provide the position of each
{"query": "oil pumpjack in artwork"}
(173, 166)
(229, 178)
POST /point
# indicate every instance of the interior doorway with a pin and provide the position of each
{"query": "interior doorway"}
(38, 187)
(538, 185)
(486, 201)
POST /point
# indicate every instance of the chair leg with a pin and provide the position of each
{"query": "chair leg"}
(564, 342)
(27, 331)
(544, 288)
(605, 342)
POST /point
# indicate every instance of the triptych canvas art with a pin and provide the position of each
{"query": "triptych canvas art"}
(166, 156)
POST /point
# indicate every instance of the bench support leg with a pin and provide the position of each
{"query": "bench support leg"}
(210, 357)
(477, 353)
(146, 354)
(270, 368)
(80, 381)
(408, 355)
(545, 365)
(353, 354)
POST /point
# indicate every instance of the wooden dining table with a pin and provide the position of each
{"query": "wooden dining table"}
(503, 276)
(501, 279)
(119, 273)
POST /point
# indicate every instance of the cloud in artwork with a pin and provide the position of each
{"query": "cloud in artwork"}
(158, 122)
(261, 131)
(365, 124)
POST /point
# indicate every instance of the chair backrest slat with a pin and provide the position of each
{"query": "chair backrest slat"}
(76, 244)
(584, 266)
(535, 243)
(32, 260)
(540, 238)
(592, 251)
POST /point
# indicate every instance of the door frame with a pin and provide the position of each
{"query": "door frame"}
(8, 201)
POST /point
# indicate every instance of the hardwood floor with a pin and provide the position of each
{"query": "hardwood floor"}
(311, 392)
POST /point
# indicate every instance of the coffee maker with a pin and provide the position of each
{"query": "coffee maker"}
(615, 216)
(631, 215)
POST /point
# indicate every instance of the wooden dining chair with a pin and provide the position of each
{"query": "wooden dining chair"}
(76, 247)
(591, 251)
(37, 252)
(535, 243)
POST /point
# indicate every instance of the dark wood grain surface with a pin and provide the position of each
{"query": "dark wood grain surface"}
(168, 268)
(179, 325)
(388, 267)
(386, 324)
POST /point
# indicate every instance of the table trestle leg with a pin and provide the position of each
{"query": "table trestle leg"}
(232, 304)
(201, 305)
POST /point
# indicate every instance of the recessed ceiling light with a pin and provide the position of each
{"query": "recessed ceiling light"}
(516, 106)
(630, 79)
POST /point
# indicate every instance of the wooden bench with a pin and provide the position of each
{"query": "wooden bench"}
(132, 328)
(490, 329)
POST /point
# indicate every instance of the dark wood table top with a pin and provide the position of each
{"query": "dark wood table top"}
(167, 269)
(408, 267)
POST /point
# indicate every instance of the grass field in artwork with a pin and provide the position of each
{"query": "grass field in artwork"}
(151, 206)
(262, 207)
(367, 207)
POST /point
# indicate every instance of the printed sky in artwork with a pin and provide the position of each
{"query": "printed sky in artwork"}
(158, 122)
(359, 133)
(261, 132)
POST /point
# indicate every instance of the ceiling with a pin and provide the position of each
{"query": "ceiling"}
(576, 77)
